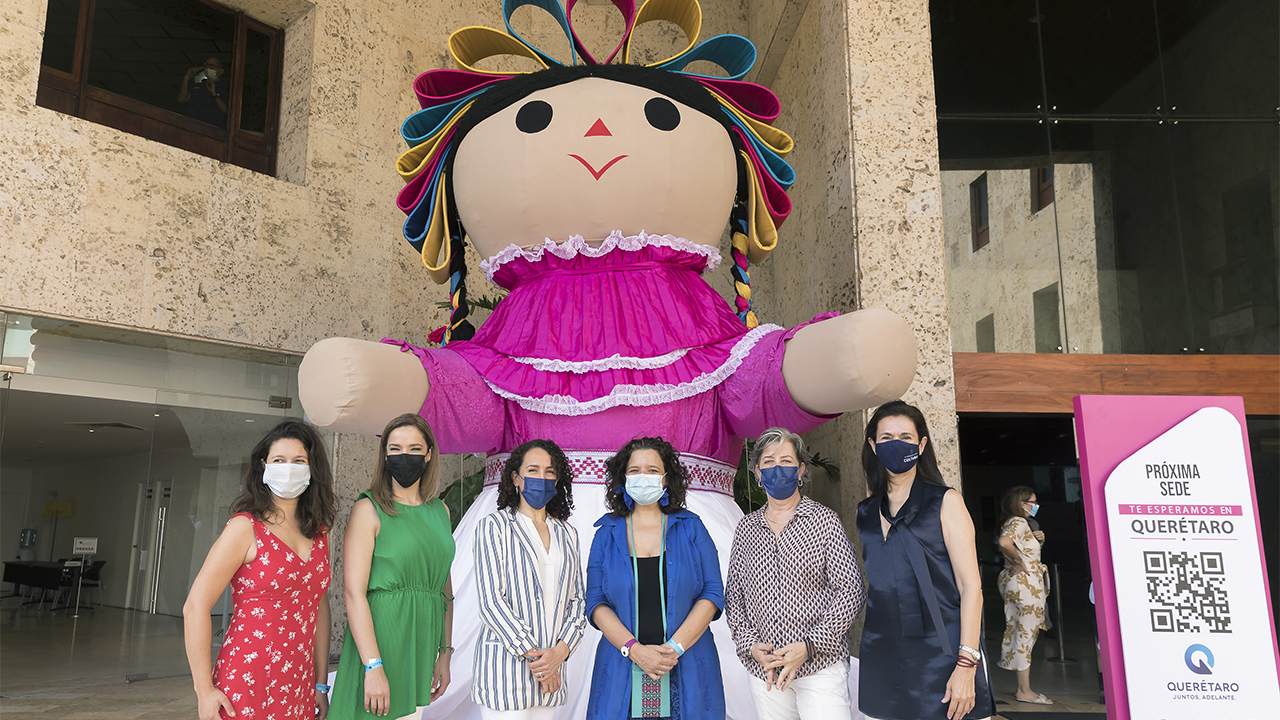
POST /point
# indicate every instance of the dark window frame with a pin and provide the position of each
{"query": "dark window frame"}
(1041, 188)
(981, 231)
(71, 94)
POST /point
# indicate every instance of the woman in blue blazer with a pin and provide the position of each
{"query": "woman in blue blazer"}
(652, 663)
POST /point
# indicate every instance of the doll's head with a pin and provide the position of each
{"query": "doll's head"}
(592, 148)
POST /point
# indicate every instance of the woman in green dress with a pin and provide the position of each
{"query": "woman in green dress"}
(397, 552)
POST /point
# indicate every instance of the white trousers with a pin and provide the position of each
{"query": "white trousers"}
(823, 695)
(537, 713)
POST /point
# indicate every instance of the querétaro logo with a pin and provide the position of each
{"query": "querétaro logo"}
(1202, 665)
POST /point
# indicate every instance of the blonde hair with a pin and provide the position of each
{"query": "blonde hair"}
(380, 488)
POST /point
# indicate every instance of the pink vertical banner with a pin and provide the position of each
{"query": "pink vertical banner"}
(1176, 551)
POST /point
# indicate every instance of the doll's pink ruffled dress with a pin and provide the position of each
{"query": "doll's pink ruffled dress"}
(592, 347)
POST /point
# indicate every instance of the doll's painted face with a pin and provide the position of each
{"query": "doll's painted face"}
(590, 157)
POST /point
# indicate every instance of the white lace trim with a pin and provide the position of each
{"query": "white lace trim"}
(576, 245)
(641, 395)
(613, 362)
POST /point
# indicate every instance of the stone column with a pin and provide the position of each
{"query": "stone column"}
(856, 82)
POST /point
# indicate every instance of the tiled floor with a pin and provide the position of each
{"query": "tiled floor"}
(57, 667)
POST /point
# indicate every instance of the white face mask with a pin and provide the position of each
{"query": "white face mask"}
(286, 480)
(644, 489)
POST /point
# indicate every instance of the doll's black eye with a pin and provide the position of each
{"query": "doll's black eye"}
(534, 117)
(662, 114)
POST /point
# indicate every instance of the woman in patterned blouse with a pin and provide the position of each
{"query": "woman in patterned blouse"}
(793, 590)
(1024, 586)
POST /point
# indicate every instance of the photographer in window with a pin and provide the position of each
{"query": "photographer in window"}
(208, 104)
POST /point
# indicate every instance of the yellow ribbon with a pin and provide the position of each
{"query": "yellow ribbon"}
(417, 158)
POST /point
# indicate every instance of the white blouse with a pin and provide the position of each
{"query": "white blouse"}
(548, 563)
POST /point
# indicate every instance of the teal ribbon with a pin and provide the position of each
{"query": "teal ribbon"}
(637, 675)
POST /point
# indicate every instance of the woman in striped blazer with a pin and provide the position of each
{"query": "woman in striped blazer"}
(529, 572)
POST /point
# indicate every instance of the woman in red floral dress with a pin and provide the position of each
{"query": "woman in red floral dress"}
(274, 553)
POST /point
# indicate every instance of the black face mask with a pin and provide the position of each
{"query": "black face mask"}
(406, 468)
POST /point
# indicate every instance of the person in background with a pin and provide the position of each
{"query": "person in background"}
(274, 552)
(793, 589)
(653, 587)
(529, 573)
(1024, 586)
(396, 556)
(208, 102)
(922, 647)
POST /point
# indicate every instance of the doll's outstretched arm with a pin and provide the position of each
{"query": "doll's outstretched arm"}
(356, 386)
(851, 362)
(800, 378)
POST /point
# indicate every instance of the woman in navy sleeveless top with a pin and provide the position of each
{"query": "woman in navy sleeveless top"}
(922, 648)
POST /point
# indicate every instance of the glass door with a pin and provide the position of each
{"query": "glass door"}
(200, 448)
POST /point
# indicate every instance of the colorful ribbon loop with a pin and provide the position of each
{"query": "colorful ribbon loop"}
(470, 45)
(732, 53)
(552, 8)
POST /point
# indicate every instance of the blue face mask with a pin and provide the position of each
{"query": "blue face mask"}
(898, 456)
(780, 481)
(538, 491)
(1035, 508)
(644, 489)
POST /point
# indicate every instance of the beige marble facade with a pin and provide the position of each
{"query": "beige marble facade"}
(856, 85)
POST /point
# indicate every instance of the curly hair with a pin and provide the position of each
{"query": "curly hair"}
(316, 505)
(561, 506)
(616, 469)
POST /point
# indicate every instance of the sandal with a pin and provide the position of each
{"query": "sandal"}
(1039, 699)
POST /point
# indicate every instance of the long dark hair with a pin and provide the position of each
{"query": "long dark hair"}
(316, 505)
(380, 487)
(1011, 503)
(926, 466)
(677, 476)
(509, 497)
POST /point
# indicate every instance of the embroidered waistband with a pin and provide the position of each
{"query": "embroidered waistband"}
(589, 469)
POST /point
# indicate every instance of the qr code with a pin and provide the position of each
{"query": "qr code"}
(1187, 592)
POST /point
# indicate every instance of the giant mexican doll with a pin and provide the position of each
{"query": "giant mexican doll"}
(597, 194)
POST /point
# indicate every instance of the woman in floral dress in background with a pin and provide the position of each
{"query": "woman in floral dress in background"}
(1024, 586)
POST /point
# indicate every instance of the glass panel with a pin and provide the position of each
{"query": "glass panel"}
(71, 456)
(1227, 195)
(1124, 270)
(1264, 451)
(987, 56)
(1221, 57)
(60, 28)
(144, 49)
(1117, 71)
(198, 455)
(257, 83)
(993, 280)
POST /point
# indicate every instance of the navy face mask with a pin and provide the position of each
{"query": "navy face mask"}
(780, 481)
(898, 456)
(538, 491)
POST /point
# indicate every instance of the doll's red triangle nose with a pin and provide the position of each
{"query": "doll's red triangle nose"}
(598, 129)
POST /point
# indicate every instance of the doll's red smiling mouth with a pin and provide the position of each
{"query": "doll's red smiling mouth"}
(594, 173)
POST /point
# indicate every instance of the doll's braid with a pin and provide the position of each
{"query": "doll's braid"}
(459, 328)
(741, 274)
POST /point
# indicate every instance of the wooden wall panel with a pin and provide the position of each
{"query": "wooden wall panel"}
(1044, 383)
